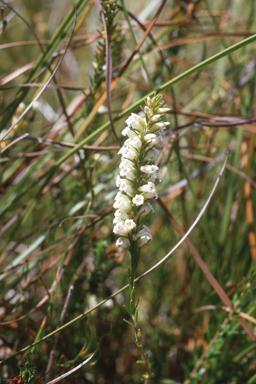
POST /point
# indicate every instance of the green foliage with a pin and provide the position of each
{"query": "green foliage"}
(56, 203)
(27, 371)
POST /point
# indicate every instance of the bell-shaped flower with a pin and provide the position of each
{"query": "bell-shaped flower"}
(153, 139)
(149, 168)
(150, 190)
(154, 177)
(159, 127)
(144, 228)
(138, 200)
(146, 209)
(122, 242)
(144, 236)
(128, 153)
(123, 203)
(129, 172)
(120, 229)
(136, 122)
(129, 224)
(129, 132)
(125, 163)
(127, 187)
(119, 218)
(136, 143)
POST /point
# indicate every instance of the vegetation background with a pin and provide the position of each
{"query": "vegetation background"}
(58, 164)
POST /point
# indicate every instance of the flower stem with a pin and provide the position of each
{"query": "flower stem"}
(134, 315)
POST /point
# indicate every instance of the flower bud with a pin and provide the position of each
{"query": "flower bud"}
(163, 110)
(155, 118)
(147, 110)
(126, 186)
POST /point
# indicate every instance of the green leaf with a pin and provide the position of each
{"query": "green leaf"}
(128, 322)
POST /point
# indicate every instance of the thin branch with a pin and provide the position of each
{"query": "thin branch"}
(71, 371)
(14, 141)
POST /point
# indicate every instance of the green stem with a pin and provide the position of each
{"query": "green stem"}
(134, 315)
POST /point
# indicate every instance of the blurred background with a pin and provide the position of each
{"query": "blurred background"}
(56, 207)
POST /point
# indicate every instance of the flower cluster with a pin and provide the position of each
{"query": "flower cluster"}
(138, 174)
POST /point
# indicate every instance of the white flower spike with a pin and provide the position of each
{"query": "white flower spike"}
(138, 174)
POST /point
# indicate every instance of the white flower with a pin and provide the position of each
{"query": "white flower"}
(127, 143)
(123, 243)
(127, 187)
(136, 122)
(136, 142)
(132, 143)
(123, 203)
(146, 209)
(149, 168)
(118, 181)
(139, 148)
(118, 195)
(144, 236)
(128, 171)
(129, 132)
(162, 124)
(129, 224)
(138, 200)
(159, 127)
(120, 218)
(150, 190)
(125, 163)
(144, 239)
(153, 139)
(120, 229)
(128, 153)
(154, 177)
(119, 212)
